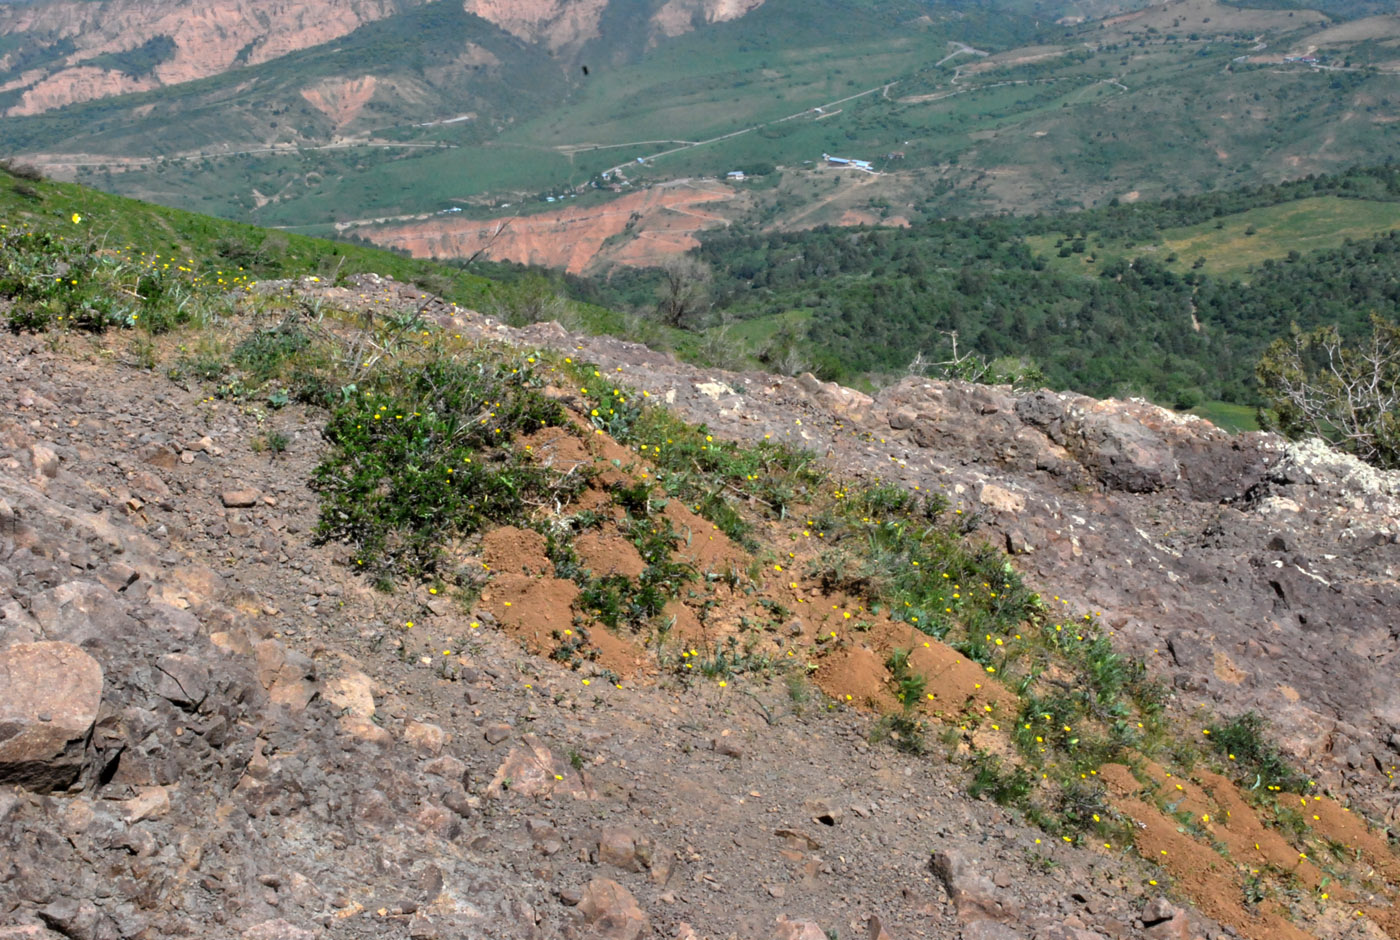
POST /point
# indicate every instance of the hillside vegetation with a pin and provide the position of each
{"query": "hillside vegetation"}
(1174, 301)
(569, 506)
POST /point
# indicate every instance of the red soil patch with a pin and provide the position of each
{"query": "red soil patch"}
(1119, 780)
(616, 653)
(703, 544)
(512, 551)
(1338, 823)
(590, 499)
(536, 611)
(953, 682)
(539, 610)
(604, 554)
(857, 676)
(571, 237)
(686, 629)
(1202, 874)
(1236, 824)
(558, 449)
(851, 644)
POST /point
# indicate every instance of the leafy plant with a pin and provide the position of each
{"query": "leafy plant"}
(1245, 741)
(423, 454)
(1008, 786)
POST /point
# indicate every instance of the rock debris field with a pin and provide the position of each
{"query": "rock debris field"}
(211, 726)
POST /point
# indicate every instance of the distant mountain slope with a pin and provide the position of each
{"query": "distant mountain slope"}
(490, 106)
(59, 52)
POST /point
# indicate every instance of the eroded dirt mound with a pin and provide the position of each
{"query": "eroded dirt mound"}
(659, 222)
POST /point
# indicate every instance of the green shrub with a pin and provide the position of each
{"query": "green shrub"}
(423, 453)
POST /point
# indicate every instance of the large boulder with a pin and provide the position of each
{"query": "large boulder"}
(612, 913)
(974, 896)
(49, 696)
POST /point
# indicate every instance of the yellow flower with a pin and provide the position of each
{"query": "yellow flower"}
(76, 218)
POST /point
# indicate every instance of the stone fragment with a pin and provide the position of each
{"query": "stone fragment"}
(44, 460)
(426, 739)
(797, 839)
(366, 730)
(352, 692)
(49, 697)
(1163, 920)
(727, 746)
(149, 485)
(533, 770)
(824, 811)
(972, 893)
(447, 767)
(1000, 499)
(459, 802)
(149, 803)
(623, 847)
(496, 732)
(182, 680)
(287, 675)
(161, 456)
(239, 499)
(612, 913)
(990, 930)
(71, 917)
(786, 929)
(28, 932)
(1158, 909)
(277, 930)
(875, 930)
(902, 419)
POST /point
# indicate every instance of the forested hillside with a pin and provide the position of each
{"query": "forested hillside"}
(1107, 311)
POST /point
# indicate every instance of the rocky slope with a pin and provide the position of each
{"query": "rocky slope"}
(211, 725)
(1253, 572)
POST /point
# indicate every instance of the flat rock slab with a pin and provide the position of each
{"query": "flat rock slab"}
(49, 696)
(239, 499)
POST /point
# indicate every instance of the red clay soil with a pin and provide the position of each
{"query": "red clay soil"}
(557, 448)
(857, 676)
(953, 682)
(687, 632)
(512, 551)
(617, 653)
(663, 220)
(1202, 874)
(1216, 806)
(703, 544)
(536, 610)
(607, 554)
